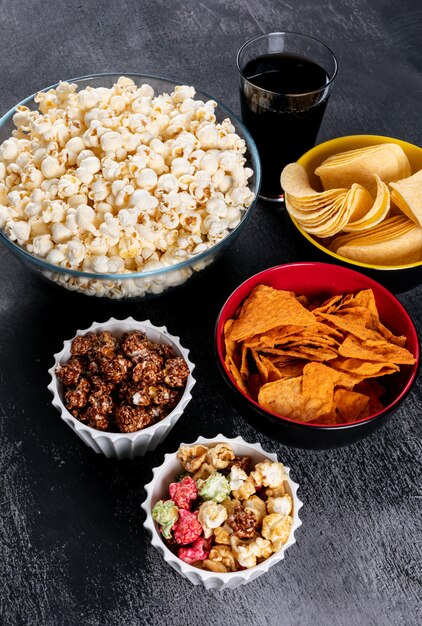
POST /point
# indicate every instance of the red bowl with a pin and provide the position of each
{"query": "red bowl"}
(320, 281)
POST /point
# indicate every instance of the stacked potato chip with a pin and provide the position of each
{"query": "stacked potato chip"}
(383, 227)
(312, 362)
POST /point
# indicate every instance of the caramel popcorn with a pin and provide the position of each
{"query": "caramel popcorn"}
(276, 528)
(269, 474)
(221, 559)
(192, 457)
(255, 505)
(220, 456)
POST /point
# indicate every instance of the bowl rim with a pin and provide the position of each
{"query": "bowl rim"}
(158, 542)
(246, 214)
(77, 425)
(334, 255)
(218, 335)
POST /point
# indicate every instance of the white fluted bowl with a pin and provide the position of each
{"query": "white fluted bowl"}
(158, 489)
(123, 445)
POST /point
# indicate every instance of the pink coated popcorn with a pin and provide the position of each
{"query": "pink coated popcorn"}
(183, 492)
(187, 528)
(198, 551)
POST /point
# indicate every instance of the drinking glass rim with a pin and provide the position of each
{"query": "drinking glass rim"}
(287, 32)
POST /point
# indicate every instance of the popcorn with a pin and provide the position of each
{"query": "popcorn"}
(210, 516)
(192, 457)
(216, 487)
(276, 528)
(187, 528)
(183, 492)
(282, 505)
(165, 514)
(217, 530)
(152, 162)
(269, 474)
(221, 559)
(220, 455)
(194, 553)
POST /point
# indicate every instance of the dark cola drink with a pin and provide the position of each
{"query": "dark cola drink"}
(283, 99)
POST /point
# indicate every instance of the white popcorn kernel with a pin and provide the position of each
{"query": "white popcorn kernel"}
(75, 145)
(129, 247)
(84, 175)
(167, 183)
(90, 163)
(118, 103)
(128, 217)
(144, 201)
(33, 208)
(99, 191)
(180, 166)
(55, 256)
(146, 90)
(147, 179)
(9, 150)
(110, 230)
(207, 136)
(240, 195)
(213, 226)
(111, 169)
(216, 206)
(183, 92)
(42, 244)
(77, 199)
(54, 212)
(85, 216)
(111, 141)
(170, 219)
(100, 264)
(68, 185)
(60, 233)
(98, 246)
(51, 167)
(32, 178)
(2, 171)
(209, 163)
(20, 231)
(191, 221)
(88, 98)
(234, 215)
(115, 265)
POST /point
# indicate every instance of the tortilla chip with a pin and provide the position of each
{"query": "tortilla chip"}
(265, 309)
(379, 351)
(350, 404)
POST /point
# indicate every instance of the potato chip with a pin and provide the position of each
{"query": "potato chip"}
(387, 160)
(376, 214)
(295, 183)
(407, 195)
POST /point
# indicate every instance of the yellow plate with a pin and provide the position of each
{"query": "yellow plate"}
(314, 157)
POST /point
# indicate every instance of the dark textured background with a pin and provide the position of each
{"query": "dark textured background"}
(73, 549)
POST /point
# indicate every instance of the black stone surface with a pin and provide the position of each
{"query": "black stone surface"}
(73, 548)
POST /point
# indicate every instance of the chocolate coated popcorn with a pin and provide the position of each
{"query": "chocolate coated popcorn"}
(120, 384)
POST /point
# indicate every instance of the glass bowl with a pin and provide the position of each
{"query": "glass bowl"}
(151, 282)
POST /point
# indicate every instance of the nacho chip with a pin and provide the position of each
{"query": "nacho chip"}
(379, 351)
(266, 309)
(350, 404)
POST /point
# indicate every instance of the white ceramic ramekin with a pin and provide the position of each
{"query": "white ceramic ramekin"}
(157, 489)
(123, 445)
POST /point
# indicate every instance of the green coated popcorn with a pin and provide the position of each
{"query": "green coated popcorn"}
(216, 487)
(166, 514)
